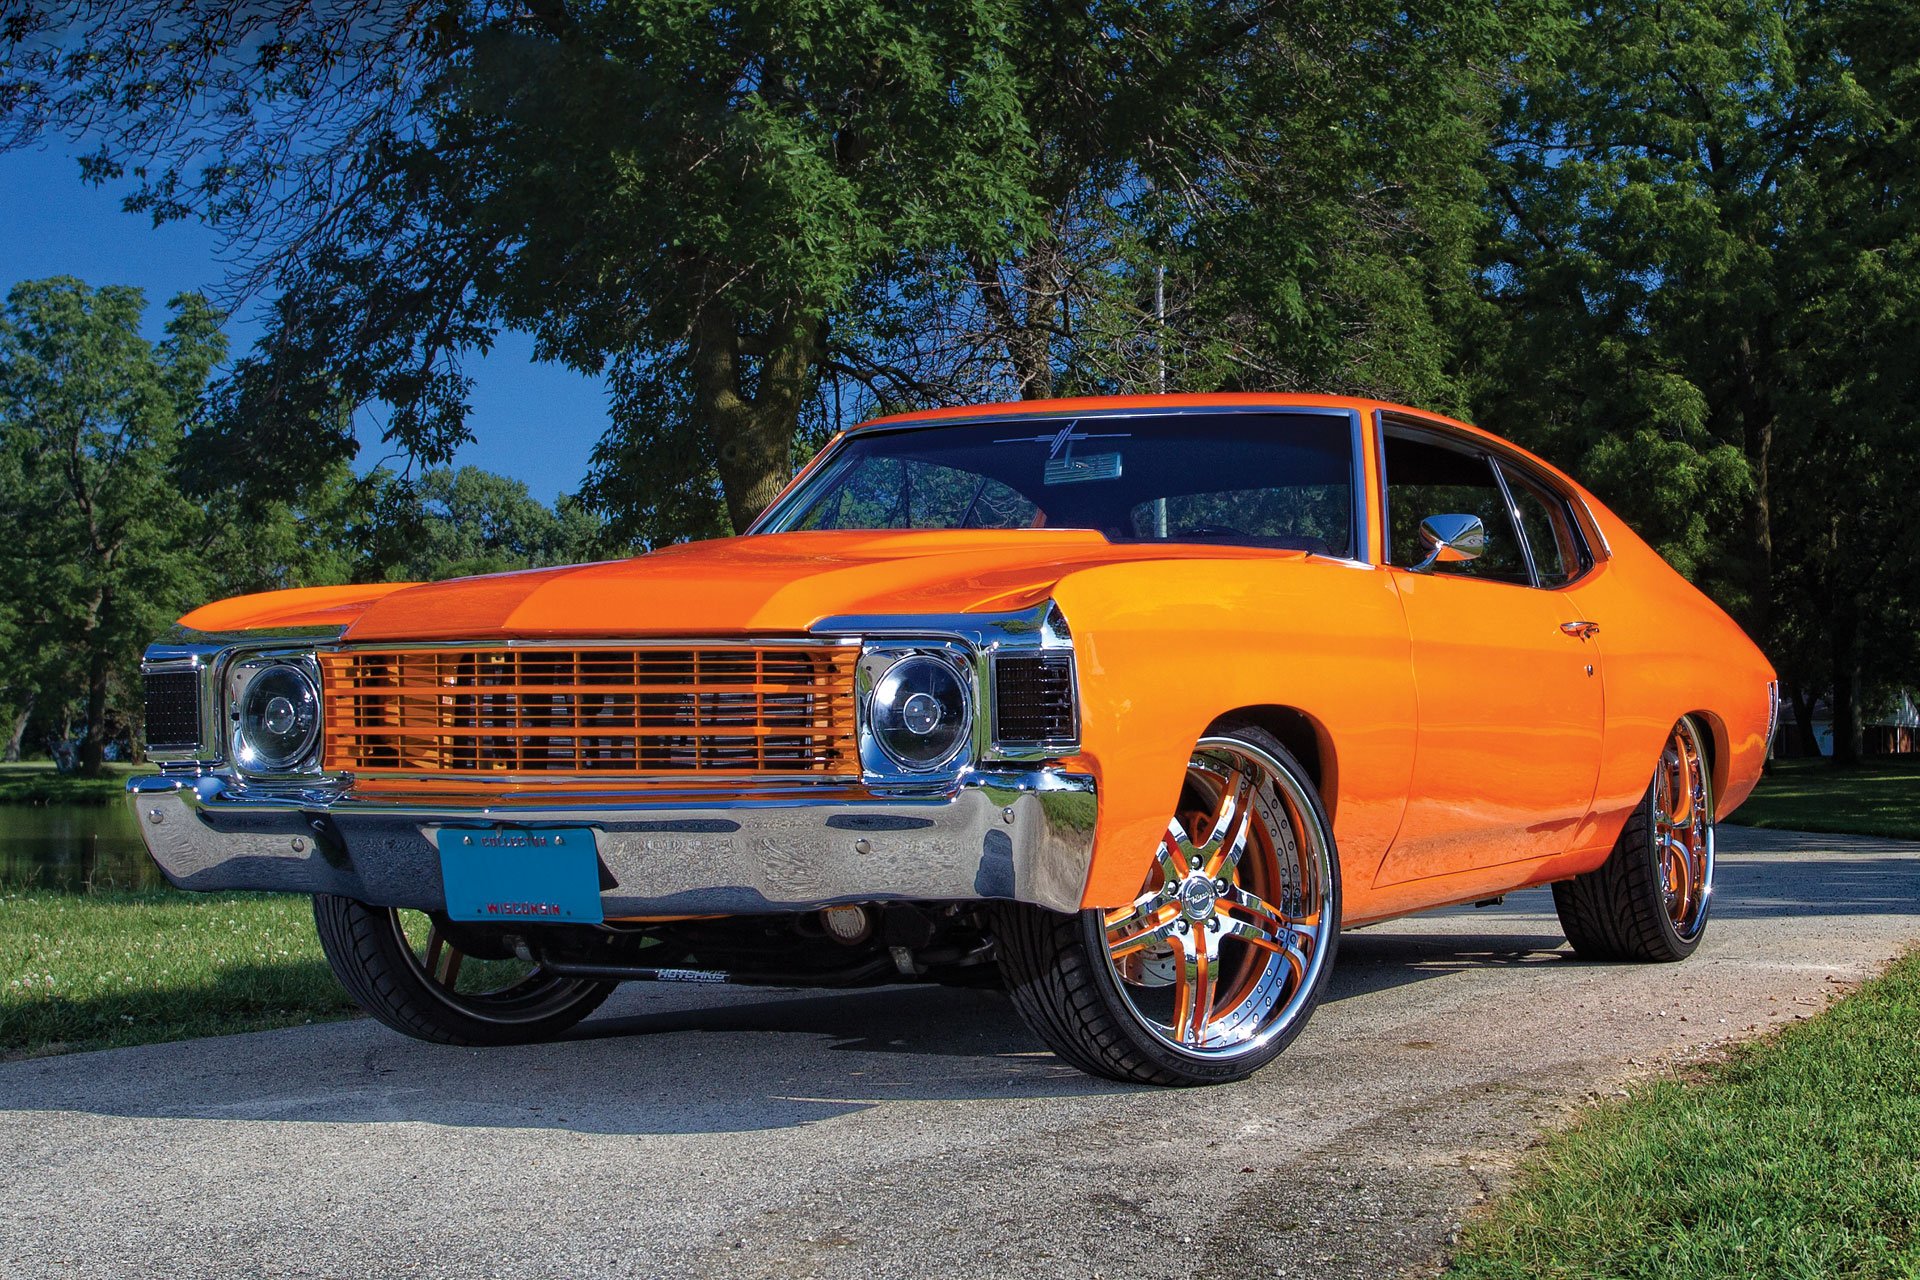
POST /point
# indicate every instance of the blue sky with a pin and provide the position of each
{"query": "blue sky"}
(535, 422)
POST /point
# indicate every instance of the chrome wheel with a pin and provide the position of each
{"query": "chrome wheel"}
(1223, 950)
(1650, 899)
(1683, 829)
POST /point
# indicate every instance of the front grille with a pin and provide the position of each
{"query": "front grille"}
(1033, 698)
(173, 710)
(732, 709)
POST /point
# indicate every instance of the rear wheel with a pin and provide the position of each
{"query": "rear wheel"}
(425, 976)
(1649, 900)
(1218, 962)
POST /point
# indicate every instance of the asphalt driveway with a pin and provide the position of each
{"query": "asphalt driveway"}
(690, 1131)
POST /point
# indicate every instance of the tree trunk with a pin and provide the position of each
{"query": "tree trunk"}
(93, 747)
(1807, 742)
(18, 730)
(753, 434)
(1847, 730)
(1023, 334)
(1756, 412)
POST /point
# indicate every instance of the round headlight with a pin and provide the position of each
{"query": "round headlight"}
(279, 719)
(922, 713)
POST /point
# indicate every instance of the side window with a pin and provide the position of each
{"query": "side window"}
(1427, 478)
(1559, 556)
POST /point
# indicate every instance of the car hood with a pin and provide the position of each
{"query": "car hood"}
(767, 584)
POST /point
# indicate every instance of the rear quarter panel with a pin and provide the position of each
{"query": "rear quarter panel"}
(1165, 648)
(1667, 651)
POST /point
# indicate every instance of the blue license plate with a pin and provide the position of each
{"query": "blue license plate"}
(506, 875)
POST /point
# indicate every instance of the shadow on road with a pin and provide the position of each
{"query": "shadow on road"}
(706, 1060)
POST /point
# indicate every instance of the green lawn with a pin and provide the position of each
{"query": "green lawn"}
(90, 971)
(1878, 797)
(35, 782)
(1795, 1159)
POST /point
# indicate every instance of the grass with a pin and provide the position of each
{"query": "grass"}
(1794, 1159)
(1878, 797)
(121, 967)
(35, 782)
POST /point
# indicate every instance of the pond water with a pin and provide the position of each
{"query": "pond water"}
(73, 846)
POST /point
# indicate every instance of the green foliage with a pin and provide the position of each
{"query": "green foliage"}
(105, 550)
(766, 220)
(469, 521)
(1670, 246)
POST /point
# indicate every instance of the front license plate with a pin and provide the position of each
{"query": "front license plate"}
(525, 874)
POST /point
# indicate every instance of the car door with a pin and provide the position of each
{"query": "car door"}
(1507, 683)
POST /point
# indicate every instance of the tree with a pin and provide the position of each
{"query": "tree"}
(764, 219)
(681, 192)
(1233, 197)
(470, 521)
(101, 554)
(1701, 295)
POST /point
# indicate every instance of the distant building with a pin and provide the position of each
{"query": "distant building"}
(1894, 731)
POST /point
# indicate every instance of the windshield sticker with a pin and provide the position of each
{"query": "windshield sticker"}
(1088, 466)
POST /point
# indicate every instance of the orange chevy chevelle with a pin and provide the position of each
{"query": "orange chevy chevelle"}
(1129, 704)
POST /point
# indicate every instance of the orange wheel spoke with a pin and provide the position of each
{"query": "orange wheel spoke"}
(1222, 945)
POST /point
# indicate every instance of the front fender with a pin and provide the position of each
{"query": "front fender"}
(1165, 648)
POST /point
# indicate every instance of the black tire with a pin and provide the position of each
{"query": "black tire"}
(1062, 977)
(370, 955)
(1624, 909)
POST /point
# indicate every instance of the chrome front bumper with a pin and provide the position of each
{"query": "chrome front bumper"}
(1025, 836)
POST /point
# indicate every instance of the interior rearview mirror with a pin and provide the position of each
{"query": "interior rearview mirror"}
(1451, 539)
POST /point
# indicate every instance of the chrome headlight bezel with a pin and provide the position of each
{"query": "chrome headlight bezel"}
(878, 659)
(239, 679)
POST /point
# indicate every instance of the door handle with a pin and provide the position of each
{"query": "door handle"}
(1583, 630)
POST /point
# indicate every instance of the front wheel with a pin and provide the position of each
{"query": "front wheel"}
(409, 970)
(1216, 965)
(1649, 900)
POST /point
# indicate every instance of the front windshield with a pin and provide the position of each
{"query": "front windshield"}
(1270, 479)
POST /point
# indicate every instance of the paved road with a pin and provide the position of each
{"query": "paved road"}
(688, 1132)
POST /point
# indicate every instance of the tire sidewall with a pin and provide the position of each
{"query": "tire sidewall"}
(370, 956)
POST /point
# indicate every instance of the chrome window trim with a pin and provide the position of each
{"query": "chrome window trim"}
(1380, 464)
(1513, 515)
(1361, 545)
(1532, 475)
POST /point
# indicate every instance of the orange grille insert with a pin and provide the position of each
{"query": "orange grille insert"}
(642, 710)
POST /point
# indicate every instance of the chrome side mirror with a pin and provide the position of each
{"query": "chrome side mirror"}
(1453, 539)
